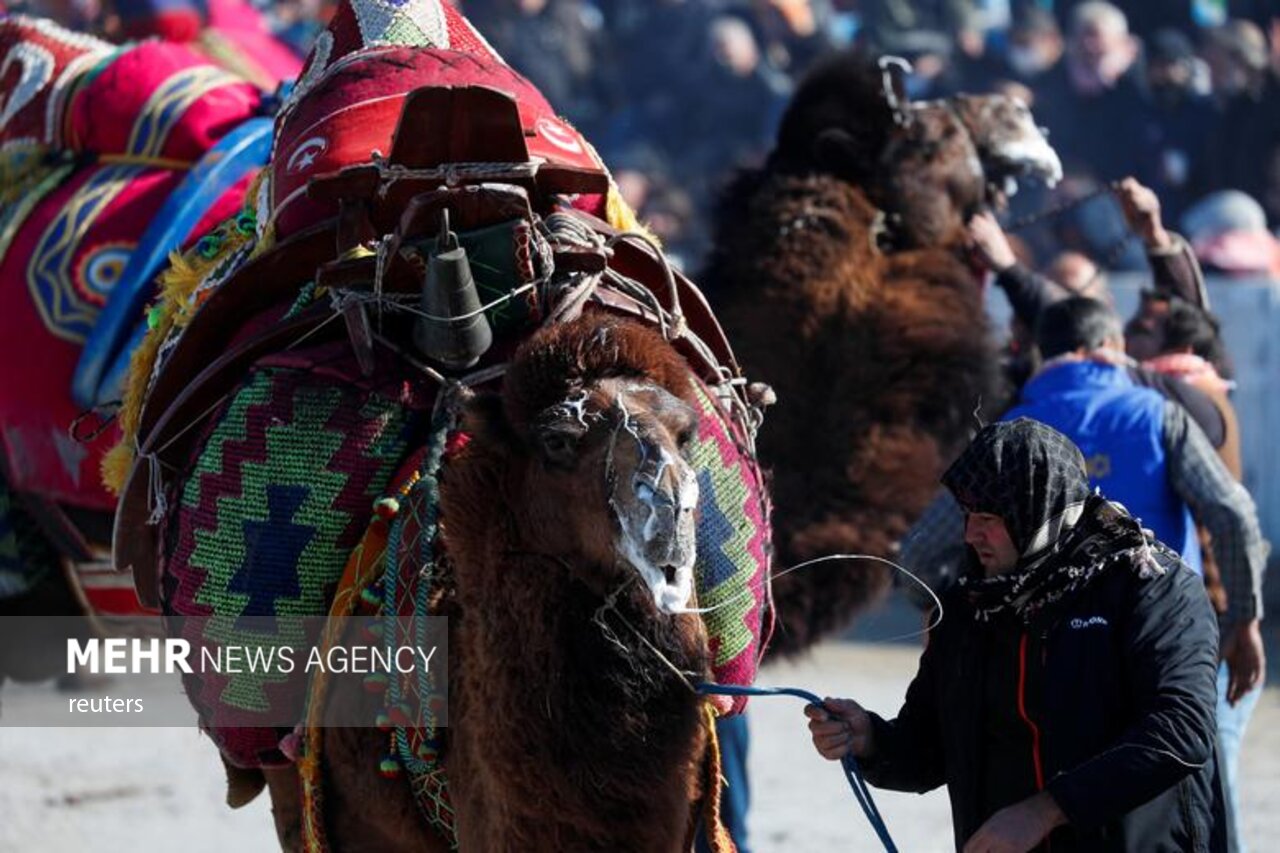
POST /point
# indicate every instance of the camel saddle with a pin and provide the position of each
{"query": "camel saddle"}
(406, 197)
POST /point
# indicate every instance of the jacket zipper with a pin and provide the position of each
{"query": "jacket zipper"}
(1022, 712)
(1026, 718)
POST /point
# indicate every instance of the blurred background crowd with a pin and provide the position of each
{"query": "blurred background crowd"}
(1182, 94)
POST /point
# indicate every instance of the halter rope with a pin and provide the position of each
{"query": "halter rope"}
(852, 772)
(1109, 256)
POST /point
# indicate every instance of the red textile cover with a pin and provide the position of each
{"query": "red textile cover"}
(152, 102)
(349, 98)
(50, 291)
(44, 287)
(201, 104)
(38, 58)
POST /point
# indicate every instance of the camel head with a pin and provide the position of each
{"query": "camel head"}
(600, 411)
(949, 159)
(929, 165)
(1009, 143)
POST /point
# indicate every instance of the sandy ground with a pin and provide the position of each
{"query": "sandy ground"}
(161, 789)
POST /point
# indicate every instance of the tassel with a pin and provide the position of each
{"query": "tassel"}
(429, 751)
(116, 465)
(386, 509)
(390, 768)
(718, 838)
(375, 682)
(400, 716)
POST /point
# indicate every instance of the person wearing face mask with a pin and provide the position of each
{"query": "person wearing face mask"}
(1032, 47)
(1066, 700)
(1035, 45)
(1176, 132)
(1247, 92)
(1096, 95)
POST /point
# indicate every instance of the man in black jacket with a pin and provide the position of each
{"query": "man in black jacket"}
(1068, 696)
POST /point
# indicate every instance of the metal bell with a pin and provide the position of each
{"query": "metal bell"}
(452, 330)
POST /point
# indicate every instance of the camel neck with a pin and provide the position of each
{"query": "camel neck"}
(570, 694)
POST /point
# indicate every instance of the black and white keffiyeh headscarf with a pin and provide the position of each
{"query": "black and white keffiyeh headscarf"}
(1034, 478)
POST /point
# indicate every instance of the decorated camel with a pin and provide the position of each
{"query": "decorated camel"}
(838, 272)
(433, 369)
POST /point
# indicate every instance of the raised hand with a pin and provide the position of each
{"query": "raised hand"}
(1141, 208)
(988, 241)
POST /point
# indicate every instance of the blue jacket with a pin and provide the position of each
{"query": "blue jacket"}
(1119, 426)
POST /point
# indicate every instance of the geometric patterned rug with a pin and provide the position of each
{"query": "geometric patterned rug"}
(281, 491)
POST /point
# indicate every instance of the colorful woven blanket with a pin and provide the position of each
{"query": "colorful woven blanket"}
(280, 493)
(733, 545)
(95, 139)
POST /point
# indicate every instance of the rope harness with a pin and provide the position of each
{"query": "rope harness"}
(1108, 256)
(850, 764)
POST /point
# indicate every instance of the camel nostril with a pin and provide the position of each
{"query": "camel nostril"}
(644, 491)
(669, 572)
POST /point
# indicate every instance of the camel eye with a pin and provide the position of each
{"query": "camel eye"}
(559, 447)
(685, 436)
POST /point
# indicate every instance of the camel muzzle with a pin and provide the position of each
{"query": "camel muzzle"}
(659, 532)
(1029, 155)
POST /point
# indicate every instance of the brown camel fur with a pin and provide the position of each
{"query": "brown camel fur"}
(879, 359)
(923, 171)
(567, 732)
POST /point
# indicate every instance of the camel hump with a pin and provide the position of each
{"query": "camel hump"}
(839, 110)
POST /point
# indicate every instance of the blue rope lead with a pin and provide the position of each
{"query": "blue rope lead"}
(850, 764)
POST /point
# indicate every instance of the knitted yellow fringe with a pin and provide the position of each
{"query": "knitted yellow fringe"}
(174, 308)
(718, 838)
(620, 215)
(365, 565)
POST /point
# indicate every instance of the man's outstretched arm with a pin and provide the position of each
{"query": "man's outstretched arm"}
(902, 754)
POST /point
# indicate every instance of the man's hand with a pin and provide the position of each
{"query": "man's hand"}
(839, 727)
(1141, 209)
(989, 243)
(1245, 658)
(1018, 828)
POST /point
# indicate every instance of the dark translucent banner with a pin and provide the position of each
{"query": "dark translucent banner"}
(245, 672)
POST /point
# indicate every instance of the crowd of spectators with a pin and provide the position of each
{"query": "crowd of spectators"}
(1183, 95)
(675, 94)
